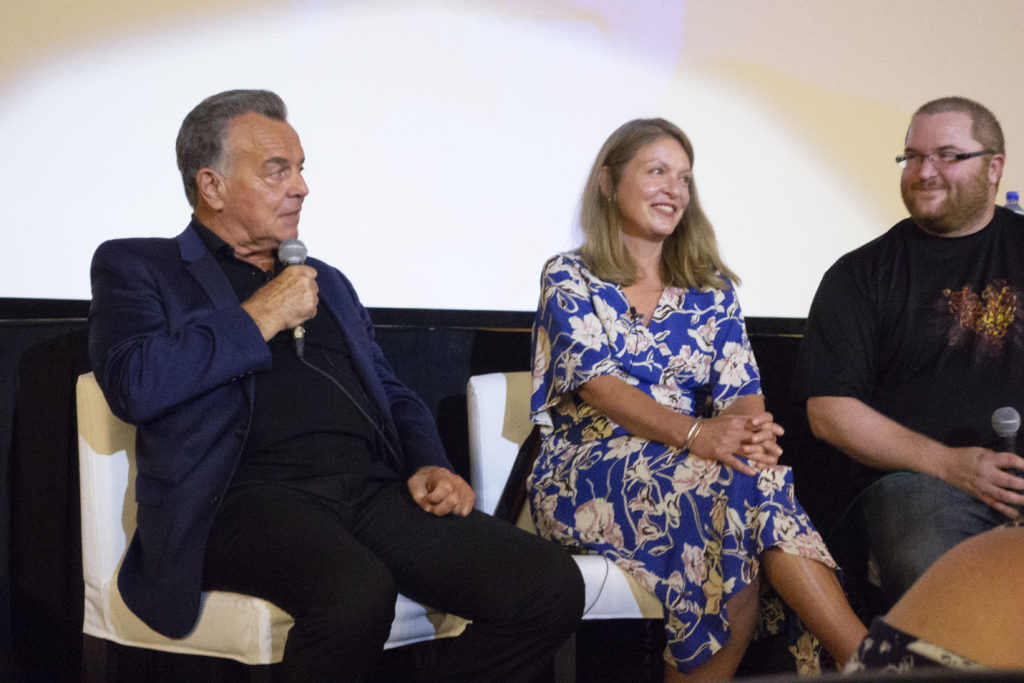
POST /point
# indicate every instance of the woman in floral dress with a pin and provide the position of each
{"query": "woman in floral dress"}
(632, 331)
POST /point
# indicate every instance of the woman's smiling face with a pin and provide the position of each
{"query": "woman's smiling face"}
(654, 190)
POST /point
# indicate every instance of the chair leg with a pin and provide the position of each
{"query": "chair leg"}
(99, 660)
(565, 661)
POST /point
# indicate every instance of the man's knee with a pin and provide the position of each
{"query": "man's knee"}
(557, 591)
(911, 520)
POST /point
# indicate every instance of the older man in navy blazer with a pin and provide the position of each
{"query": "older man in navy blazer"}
(314, 480)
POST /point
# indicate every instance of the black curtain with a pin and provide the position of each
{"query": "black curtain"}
(44, 536)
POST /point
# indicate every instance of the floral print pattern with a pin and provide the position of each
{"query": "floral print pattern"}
(896, 652)
(689, 529)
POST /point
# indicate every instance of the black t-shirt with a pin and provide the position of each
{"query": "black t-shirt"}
(927, 330)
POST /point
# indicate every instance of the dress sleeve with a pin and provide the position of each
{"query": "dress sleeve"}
(570, 338)
(734, 372)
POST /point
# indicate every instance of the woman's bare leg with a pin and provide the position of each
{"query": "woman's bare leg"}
(742, 609)
(812, 590)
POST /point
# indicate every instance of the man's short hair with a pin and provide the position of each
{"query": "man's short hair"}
(200, 141)
(985, 127)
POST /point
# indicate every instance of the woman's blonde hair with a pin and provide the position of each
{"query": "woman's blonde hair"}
(689, 255)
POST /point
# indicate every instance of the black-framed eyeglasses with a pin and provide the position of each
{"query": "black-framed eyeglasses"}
(944, 157)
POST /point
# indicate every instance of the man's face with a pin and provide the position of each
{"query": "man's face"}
(263, 188)
(948, 199)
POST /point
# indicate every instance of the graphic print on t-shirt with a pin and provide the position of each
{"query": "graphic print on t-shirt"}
(987, 316)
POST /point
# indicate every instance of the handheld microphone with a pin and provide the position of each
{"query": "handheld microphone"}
(1006, 422)
(293, 253)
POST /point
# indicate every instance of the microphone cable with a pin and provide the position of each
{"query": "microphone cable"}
(352, 399)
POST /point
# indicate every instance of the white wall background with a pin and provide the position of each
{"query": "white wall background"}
(447, 142)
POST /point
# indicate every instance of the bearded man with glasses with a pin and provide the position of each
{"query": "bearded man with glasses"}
(916, 338)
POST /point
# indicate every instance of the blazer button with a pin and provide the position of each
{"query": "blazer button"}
(214, 500)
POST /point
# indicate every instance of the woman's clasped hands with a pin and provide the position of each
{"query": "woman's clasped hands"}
(747, 443)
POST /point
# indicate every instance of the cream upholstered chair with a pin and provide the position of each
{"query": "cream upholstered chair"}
(239, 627)
(499, 422)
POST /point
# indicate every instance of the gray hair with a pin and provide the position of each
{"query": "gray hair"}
(200, 141)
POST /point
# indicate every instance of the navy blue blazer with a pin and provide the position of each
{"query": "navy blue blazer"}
(175, 354)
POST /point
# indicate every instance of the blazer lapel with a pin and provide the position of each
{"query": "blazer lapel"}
(353, 329)
(202, 265)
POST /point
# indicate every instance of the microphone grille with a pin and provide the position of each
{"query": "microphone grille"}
(1006, 421)
(292, 253)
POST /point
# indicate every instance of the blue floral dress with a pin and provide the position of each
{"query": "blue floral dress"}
(691, 530)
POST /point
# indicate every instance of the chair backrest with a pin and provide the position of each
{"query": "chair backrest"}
(106, 458)
(499, 422)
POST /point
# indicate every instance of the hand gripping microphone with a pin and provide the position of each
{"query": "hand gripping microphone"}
(293, 253)
(1006, 422)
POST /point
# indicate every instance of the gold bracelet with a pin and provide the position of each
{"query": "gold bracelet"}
(692, 434)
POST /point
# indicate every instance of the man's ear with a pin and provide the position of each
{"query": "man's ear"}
(995, 168)
(211, 188)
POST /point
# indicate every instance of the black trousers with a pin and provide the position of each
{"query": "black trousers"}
(337, 567)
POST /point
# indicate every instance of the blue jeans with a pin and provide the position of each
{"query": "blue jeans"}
(912, 519)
